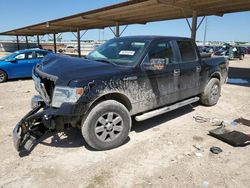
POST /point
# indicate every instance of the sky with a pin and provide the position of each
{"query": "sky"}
(20, 13)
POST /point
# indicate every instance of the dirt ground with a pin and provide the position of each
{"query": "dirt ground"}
(160, 152)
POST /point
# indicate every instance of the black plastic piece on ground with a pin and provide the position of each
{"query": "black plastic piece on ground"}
(215, 150)
(234, 138)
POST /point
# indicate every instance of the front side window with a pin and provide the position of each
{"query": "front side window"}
(20, 56)
(187, 50)
(163, 51)
(120, 51)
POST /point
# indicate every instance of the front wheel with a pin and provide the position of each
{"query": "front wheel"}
(212, 91)
(107, 125)
(3, 76)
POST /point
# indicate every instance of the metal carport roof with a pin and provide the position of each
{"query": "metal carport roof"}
(134, 12)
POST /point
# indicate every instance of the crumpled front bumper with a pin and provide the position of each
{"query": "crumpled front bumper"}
(28, 130)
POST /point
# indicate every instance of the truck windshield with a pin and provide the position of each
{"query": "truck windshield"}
(120, 51)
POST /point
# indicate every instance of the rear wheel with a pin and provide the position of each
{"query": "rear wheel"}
(107, 125)
(3, 76)
(211, 94)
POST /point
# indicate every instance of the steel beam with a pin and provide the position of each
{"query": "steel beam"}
(117, 30)
(194, 25)
(17, 42)
(79, 42)
(26, 41)
(38, 41)
(54, 38)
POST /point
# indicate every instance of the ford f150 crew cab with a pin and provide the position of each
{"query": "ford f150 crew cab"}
(140, 76)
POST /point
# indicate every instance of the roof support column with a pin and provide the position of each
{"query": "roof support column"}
(17, 42)
(38, 41)
(54, 38)
(79, 42)
(27, 42)
(194, 25)
(117, 30)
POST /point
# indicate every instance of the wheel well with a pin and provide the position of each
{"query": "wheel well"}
(4, 72)
(216, 75)
(117, 97)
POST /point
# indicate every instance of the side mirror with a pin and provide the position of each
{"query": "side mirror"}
(156, 64)
(12, 60)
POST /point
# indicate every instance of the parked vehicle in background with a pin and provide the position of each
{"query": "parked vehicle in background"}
(141, 76)
(248, 49)
(68, 49)
(208, 49)
(20, 63)
(231, 52)
(244, 49)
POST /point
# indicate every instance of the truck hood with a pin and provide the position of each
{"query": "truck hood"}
(64, 69)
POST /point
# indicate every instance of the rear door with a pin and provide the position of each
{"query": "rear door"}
(190, 69)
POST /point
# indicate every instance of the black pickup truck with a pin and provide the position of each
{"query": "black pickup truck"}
(140, 76)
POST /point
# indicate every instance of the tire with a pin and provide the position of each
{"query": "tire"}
(3, 76)
(212, 92)
(241, 57)
(107, 125)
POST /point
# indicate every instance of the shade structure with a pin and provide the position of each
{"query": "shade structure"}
(133, 12)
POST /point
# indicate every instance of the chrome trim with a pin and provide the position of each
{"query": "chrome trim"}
(44, 94)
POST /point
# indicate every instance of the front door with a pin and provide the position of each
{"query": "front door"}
(162, 80)
(23, 64)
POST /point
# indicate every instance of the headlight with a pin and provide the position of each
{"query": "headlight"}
(66, 94)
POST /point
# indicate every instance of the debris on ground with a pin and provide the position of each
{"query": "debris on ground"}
(198, 154)
(243, 121)
(205, 184)
(213, 121)
(199, 148)
(234, 138)
(216, 150)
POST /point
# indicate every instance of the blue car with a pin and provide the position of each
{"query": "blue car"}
(20, 63)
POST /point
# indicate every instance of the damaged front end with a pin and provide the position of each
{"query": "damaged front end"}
(54, 108)
(35, 123)
(30, 128)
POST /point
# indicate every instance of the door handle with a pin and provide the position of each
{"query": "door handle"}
(198, 68)
(177, 72)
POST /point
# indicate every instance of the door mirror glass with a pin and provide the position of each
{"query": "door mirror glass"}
(156, 64)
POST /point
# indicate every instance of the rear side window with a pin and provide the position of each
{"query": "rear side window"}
(20, 56)
(187, 50)
(29, 55)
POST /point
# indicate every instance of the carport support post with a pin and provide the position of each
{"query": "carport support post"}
(54, 37)
(117, 30)
(79, 42)
(27, 43)
(17, 42)
(194, 25)
(38, 41)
